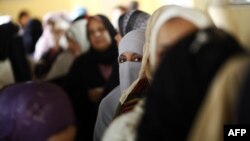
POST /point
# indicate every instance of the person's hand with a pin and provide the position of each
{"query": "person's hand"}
(95, 94)
(129, 105)
(67, 134)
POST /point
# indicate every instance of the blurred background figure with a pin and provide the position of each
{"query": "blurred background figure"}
(78, 12)
(228, 96)
(23, 20)
(14, 64)
(194, 87)
(77, 33)
(31, 33)
(116, 13)
(52, 42)
(231, 16)
(131, 20)
(39, 111)
(55, 25)
(90, 72)
(133, 5)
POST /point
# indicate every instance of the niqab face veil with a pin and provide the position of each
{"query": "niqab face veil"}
(158, 18)
(132, 42)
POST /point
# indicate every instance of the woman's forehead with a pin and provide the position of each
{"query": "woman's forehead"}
(95, 19)
(129, 53)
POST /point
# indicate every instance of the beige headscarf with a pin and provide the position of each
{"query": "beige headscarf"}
(158, 18)
(218, 107)
(6, 73)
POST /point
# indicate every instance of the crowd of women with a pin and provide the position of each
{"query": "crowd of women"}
(172, 75)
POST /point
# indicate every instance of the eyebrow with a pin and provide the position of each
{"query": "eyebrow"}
(121, 56)
(133, 54)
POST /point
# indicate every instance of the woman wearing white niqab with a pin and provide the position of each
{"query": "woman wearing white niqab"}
(132, 44)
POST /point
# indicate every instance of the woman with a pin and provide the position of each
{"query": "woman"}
(90, 72)
(7, 32)
(132, 20)
(224, 101)
(51, 44)
(31, 34)
(181, 83)
(77, 32)
(166, 26)
(13, 63)
(36, 111)
(130, 56)
(53, 37)
(60, 64)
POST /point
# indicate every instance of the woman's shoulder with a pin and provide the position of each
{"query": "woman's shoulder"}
(84, 58)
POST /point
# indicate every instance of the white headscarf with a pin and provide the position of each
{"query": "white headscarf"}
(6, 73)
(132, 42)
(78, 32)
(48, 39)
(199, 19)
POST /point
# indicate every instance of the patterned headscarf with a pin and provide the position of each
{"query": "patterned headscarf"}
(33, 111)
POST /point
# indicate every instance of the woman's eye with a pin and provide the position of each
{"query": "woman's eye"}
(137, 59)
(101, 30)
(122, 60)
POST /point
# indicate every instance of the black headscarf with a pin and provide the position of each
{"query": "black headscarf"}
(181, 82)
(32, 33)
(111, 54)
(85, 75)
(7, 32)
(243, 104)
(11, 47)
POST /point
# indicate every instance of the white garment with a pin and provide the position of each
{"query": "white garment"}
(132, 42)
(124, 128)
(78, 32)
(48, 38)
(159, 17)
(46, 42)
(218, 108)
(6, 74)
(106, 112)
(128, 72)
(61, 66)
(199, 19)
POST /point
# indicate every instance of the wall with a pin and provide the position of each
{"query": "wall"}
(233, 18)
(39, 7)
(36, 7)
